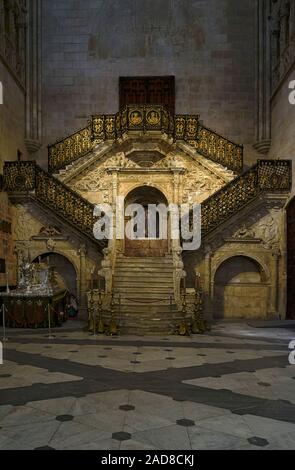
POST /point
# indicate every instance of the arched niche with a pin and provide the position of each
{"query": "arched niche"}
(240, 289)
(66, 272)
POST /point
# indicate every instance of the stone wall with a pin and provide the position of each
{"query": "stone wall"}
(12, 116)
(88, 44)
(283, 123)
(12, 134)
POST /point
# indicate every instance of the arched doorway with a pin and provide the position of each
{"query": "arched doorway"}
(240, 289)
(291, 260)
(142, 245)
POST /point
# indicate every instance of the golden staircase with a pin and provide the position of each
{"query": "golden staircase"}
(142, 119)
(27, 178)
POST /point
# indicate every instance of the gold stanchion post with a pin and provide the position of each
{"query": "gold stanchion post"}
(199, 325)
(113, 327)
(91, 313)
(100, 326)
(4, 338)
(183, 328)
(50, 336)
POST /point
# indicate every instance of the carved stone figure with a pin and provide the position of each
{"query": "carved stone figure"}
(244, 232)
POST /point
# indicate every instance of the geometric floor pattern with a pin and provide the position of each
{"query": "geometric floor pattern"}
(232, 388)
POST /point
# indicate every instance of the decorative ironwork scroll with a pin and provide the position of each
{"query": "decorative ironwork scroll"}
(20, 177)
(146, 118)
(28, 177)
(217, 148)
(70, 149)
(266, 175)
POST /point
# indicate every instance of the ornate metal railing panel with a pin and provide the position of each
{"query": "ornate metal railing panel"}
(19, 176)
(266, 175)
(70, 149)
(28, 177)
(217, 148)
(146, 118)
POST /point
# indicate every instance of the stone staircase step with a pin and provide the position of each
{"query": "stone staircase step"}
(142, 290)
(139, 274)
(142, 282)
(145, 286)
(144, 270)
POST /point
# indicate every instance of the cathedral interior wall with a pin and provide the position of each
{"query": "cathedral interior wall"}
(206, 48)
(283, 118)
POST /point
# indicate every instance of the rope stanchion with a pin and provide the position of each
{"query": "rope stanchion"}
(4, 337)
(101, 326)
(50, 336)
(151, 301)
(113, 326)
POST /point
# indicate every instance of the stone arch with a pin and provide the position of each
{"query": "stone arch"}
(152, 186)
(264, 269)
(65, 267)
(147, 246)
(241, 288)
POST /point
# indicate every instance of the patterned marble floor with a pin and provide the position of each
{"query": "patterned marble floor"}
(231, 389)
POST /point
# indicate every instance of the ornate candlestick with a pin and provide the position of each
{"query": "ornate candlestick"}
(91, 326)
(199, 325)
(183, 328)
(100, 326)
(113, 327)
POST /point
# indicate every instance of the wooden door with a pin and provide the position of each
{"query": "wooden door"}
(147, 90)
(145, 247)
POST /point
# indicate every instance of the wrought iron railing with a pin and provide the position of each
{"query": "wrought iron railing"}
(28, 177)
(211, 145)
(146, 118)
(70, 149)
(266, 175)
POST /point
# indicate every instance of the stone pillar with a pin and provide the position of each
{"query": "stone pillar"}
(274, 284)
(263, 77)
(33, 77)
(175, 244)
(82, 281)
(207, 282)
(292, 20)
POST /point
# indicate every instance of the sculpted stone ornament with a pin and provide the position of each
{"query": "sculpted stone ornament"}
(25, 225)
(244, 233)
(50, 231)
(269, 232)
(50, 244)
(179, 273)
(106, 269)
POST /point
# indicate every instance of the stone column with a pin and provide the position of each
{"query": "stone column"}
(207, 281)
(175, 244)
(2, 26)
(292, 20)
(33, 77)
(274, 283)
(82, 284)
(263, 77)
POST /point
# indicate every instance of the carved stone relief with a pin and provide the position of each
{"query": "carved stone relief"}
(25, 225)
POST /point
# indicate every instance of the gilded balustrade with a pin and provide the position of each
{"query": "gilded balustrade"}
(142, 119)
(217, 148)
(28, 177)
(266, 175)
(70, 149)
